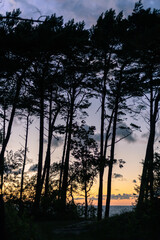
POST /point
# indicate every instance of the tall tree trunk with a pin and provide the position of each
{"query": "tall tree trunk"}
(108, 134)
(111, 160)
(24, 160)
(63, 157)
(113, 143)
(72, 193)
(4, 124)
(4, 145)
(146, 186)
(101, 165)
(102, 157)
(48, 154)
(40, 156)
(47, 158)
(6, 140)
(86, 201)
(66, 164)
(2, 218)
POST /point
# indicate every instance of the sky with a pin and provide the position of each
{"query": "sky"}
(78, 9)
(132, 150)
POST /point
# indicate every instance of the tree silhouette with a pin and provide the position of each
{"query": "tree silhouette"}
(144, 24)
(105, 39)
(84, 150)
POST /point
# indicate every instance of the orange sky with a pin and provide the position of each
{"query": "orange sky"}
(114, 202)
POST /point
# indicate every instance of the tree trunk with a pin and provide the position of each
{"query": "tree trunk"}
(63, 157)
(48, 154)
(147, 174)
(6, 140)
(40, 156)
(101, 166)
(113, 144)
(2, 218)
(108, 134)
(4, 145)
(4, 124)
(24, 160)
(66, 164)
(86, 201)
(47, 158)
(111, 160)
(102, 157)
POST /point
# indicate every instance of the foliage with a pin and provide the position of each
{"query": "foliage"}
(19, 227)
(53, 71)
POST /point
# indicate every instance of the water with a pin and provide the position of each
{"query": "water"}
(114, 210)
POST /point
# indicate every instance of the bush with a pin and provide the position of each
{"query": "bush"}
(19, 227)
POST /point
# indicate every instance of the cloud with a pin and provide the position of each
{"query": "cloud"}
(97, 137)
(79, 198)
(117, 175)
(28, 8)
(80, 10)
(93, 198)
(145, 135)
(119, 196)
(123, 130)
(33, 168)
(57, 142)
(122, 196)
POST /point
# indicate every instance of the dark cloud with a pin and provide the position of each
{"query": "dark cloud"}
(123, 131)
(80, 10)
(117, 175)
(57, 142)
(33, 168)
(79, 198)
(151, 3)
(122, 196)
(27, 7)
(97, 137)
(145, 135)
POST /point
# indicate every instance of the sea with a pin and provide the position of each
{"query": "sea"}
(117, 210)
(114, 210)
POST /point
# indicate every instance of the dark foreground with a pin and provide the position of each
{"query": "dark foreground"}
(141, 225)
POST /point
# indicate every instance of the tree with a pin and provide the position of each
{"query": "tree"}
(75, 84)
(118, 98)
(105, 40)
(84, 150)
(14, 75)
(156, 175)
(144, 25)
(43, 71)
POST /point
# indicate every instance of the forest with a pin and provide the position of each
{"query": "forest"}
(52, 71)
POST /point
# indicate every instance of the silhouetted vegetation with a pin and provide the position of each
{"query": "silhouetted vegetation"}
(52, 71)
